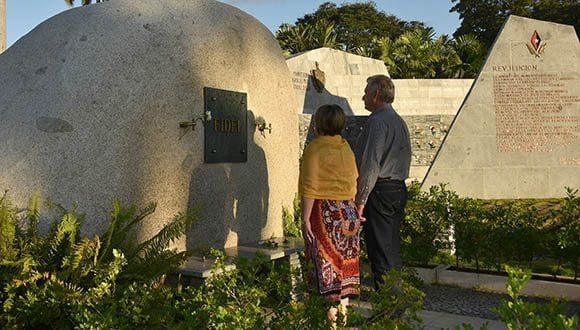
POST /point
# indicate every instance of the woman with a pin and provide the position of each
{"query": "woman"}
(331, 224)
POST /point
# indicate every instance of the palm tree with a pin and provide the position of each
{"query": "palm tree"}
(416, 54)
(293, 38)
(470, 53)
(323, 35)
(363, 51)
(301, 37)
(448, 63)
(387, 49)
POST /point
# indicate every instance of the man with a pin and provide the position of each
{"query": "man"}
(383, 155)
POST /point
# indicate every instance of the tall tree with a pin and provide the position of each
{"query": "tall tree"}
(484, 18)
(470, 57)
(359, 25)
(566, 12)
(409, 49)
(415, 54)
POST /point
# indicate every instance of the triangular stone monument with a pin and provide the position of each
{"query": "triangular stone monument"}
(517, 134)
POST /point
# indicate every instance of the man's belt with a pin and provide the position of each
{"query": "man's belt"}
(388, 179)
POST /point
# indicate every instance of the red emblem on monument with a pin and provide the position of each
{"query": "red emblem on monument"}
(536, 40)
(536, 45)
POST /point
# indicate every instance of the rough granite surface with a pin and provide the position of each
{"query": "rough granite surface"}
(91, 102)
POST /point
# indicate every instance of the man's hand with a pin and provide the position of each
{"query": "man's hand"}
(360, 208)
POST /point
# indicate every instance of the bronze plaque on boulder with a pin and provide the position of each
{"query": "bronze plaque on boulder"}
(226, 134)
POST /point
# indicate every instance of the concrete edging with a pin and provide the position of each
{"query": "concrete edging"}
(497, 283)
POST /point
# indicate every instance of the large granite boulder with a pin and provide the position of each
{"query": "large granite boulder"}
(91, 102)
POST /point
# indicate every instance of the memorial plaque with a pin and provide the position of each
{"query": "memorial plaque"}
(226, 137)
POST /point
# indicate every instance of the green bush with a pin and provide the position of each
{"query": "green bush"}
(292, 219)
(65, 281)
(62, 280)
(512, 233)
(470, 231)
(254, 295)
(493, 233)
(397, 303)
(565, 232)
(257, 294)
(518, 314)
(428, 220)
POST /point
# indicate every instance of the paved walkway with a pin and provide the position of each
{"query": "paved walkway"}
(472, 303)
(439, 320)
(446, 307)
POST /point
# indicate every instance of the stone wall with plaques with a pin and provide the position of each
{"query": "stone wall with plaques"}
(107, 102)
(329, 76)
(517, 134)
(427, 133)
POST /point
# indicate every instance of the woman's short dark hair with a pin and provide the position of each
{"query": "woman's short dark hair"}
(329, 120)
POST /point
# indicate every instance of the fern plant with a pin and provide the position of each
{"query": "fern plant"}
(152, 258)
(7, 229)
(62, 279)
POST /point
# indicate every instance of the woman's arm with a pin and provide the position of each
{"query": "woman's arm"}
(307, 204)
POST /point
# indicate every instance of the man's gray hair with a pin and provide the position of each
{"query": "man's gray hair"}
(384, 85)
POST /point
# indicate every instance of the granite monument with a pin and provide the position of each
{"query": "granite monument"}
(517, 134)
(125, 99)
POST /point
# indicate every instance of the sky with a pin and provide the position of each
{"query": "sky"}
(23, 15)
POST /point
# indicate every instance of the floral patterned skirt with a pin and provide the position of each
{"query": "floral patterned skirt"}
(334, 252)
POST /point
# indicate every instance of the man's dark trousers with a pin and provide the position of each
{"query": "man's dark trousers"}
(384, 214)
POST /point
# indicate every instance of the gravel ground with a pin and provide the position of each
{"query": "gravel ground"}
(449, 299)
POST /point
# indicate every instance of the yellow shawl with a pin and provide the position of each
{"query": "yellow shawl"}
(328, 169)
